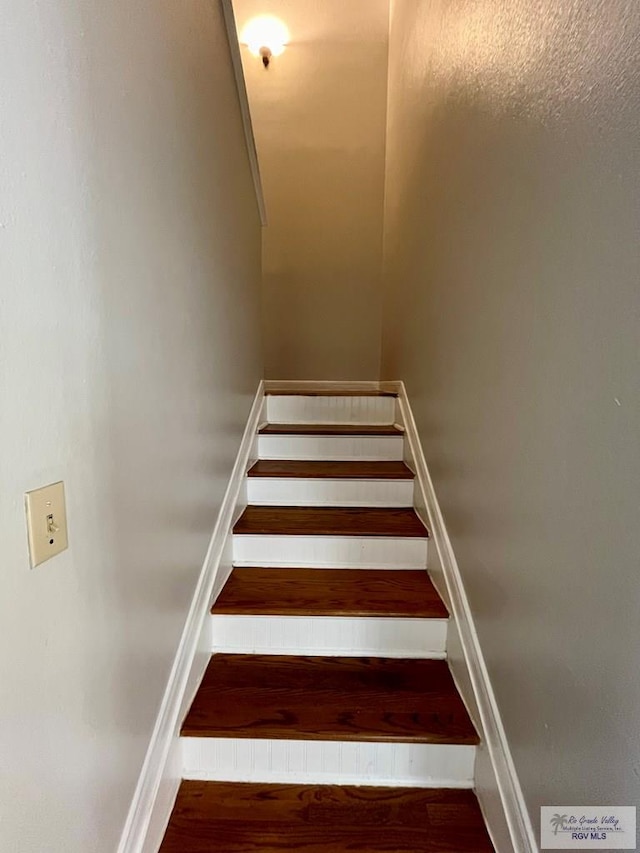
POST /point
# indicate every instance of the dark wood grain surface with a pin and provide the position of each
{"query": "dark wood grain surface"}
(223, 817)
(330, 521)
(330, 592)
(330, 429)
(329, 698)
(331, 470)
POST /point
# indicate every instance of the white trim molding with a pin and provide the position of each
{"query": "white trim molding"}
(483, 700)
(243, 98)
(160, 774)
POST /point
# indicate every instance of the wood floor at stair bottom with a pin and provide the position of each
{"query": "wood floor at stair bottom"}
(329, 698)
(221, 817)
(330, 592)
(330, 521)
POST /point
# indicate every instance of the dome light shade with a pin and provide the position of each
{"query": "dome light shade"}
(265, 34)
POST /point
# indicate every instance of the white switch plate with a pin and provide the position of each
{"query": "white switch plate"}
(46, 522)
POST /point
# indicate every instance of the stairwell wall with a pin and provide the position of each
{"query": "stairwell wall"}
(319, 116)
(129, 358)
(511, 313)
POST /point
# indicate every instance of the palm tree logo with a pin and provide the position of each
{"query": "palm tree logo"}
(557, 822)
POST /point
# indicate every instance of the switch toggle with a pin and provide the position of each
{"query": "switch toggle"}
(46, 522)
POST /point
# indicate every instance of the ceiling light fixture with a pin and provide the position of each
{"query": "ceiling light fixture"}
(265, 36)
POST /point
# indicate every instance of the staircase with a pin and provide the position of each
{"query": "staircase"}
(327, 719)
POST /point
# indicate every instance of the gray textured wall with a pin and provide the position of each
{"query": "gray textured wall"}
(129, 356)
(512, 259)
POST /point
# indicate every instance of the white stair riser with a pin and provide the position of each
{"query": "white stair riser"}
(328, 762)
(280, 491)
(356, 636)
(340, 552)
(288, 409)
(347, 448)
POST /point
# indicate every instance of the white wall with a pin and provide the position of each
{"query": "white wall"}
(319, 116)
(129, 354)
(512, 312)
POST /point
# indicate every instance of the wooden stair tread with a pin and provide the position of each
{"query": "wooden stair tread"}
(227, 817)
(330, 521)
(330, 469)
(293, 392)
(331, 429)
(330, 592)
(329, 698)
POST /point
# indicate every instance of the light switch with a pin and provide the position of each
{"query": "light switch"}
(46, 522)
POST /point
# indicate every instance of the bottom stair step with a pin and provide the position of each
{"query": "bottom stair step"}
(239, 818)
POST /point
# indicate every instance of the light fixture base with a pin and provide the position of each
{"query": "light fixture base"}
(265, 54)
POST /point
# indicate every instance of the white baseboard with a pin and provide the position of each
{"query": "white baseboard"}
(512, 830)
(160, 774)
(314, 762)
